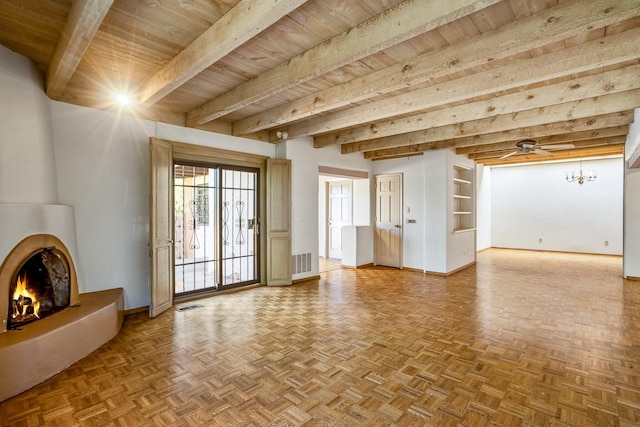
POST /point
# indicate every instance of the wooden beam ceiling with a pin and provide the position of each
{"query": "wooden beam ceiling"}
(454, 136)
(549, 139)
(245, 20)
(380, 78)
(602, 151)
(562, 112)
(378, 33)
(82, 25)
(561, 22)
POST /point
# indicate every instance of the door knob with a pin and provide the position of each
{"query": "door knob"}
(397, 226)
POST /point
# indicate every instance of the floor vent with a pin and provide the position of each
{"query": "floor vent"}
(189, 307)
(301, 263)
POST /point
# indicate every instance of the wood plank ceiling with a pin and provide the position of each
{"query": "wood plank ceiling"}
(386, 78)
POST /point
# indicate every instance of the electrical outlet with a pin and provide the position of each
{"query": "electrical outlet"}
(540, 240)
(606, 243)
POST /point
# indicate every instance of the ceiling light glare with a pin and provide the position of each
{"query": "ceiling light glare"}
(124, 99)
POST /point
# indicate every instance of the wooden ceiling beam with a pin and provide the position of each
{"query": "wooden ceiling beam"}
(244, 21)
(505, 77)
(540, 97)
(454, 136)
(608, 150)
(558, 23)
(507, 112)
(397, 24)
(83, 22)
(549, 139)
(588, 143)
(401, 156)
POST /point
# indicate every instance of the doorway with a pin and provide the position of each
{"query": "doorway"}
(216, 227)
(344, 200)
(388, 231)
(339, 214)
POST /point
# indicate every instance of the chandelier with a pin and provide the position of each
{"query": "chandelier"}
(580, 178)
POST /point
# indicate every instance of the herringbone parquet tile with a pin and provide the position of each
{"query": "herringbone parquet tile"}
(520, 339)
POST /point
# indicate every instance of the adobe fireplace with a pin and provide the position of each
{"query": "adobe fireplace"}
(47, 325)
(39, 288)
(37, 279)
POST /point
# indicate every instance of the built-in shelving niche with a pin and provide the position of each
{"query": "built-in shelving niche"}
(463, 199)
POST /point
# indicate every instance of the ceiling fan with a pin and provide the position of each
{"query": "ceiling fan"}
(527, 146)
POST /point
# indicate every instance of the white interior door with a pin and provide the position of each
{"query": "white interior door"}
(339, 214)
(388, 233)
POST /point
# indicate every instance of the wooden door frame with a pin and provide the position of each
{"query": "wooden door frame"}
(181, 151)
(219, 167)
(330, 171)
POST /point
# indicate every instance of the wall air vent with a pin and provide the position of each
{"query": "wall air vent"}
(301, 263)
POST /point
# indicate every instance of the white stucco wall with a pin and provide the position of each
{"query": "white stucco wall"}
(103, 172)
(28, 172)
(429, 244)
(632, 204)
(533, 202)
(304, 192)
(483, 207)
(461, 246)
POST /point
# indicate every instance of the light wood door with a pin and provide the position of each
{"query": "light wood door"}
(339, 214)
(388, 233)
(278, 222)
(161, 227)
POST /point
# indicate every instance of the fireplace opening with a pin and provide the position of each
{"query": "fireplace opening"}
(39, 288)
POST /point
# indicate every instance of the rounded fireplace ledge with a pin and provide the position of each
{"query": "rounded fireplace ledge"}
(42, 349)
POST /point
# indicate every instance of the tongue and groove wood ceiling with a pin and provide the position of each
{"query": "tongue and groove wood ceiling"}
(386, 78)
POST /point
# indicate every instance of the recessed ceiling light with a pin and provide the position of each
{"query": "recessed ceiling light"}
(124, 99)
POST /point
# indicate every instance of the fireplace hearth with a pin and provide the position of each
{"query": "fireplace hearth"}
(48, 325)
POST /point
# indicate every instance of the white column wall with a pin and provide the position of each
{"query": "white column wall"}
(483, 207)
(28, 170)
(304, 192)
(436, 200)
(362, 201)
(632, 204)
(461, 246)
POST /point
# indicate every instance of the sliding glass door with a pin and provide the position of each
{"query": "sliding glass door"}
(216, 227)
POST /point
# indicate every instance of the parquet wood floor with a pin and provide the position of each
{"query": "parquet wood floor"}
(520, 339)
(328, 264)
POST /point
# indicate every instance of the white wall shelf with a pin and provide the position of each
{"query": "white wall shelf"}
(463, 200)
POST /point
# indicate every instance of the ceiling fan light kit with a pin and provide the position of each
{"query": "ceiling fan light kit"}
(527, 146)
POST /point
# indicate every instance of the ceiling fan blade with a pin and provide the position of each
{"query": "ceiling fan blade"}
(509, 155)
(541, 152)
(557, 147)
